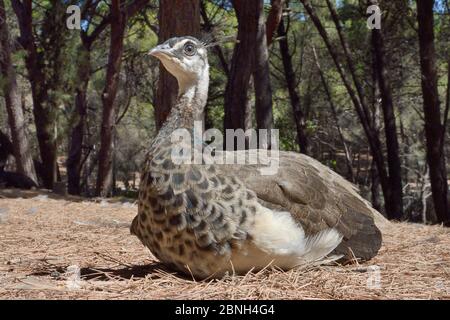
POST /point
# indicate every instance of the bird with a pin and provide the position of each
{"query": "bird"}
(212, 220)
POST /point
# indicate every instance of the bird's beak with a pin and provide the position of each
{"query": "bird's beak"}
(160, 51)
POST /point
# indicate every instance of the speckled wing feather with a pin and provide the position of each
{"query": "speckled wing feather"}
(317, 198)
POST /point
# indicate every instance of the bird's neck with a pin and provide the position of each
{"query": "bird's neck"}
(190, 104)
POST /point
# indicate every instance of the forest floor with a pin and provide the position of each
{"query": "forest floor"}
(46, 240)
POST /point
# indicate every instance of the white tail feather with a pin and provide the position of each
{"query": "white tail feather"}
(284, 241)
(320, 245)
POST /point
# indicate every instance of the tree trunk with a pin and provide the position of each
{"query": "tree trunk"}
(376, 123)
(432, 112)
(261, 78)
(118, 27)
(176, 18)
(22, 154)
(291, 83)
(74, 159)
(393, 150)
(6, 149)
(236, 91)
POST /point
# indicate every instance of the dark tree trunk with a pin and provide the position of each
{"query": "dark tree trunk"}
(22, 154)
(118, 27)
(393, 150)
(74, 159)
(45, 130)
(376, 122)
(237, 88)
(261, 76)
(6, 149)
(432, 112)
(176, 18)
(291, 83)
(248, 114)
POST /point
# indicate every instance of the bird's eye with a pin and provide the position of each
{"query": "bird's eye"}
(189, 49)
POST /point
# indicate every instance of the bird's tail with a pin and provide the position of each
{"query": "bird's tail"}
(320, 245)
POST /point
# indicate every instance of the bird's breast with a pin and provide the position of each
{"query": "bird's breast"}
(179, 237)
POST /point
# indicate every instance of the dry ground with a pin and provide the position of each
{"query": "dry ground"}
(43, 239)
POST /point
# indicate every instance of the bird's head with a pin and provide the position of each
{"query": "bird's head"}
(185, 58)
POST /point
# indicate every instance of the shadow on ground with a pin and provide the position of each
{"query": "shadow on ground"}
(154, 270)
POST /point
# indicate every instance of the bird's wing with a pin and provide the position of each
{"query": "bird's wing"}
(317, 198)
